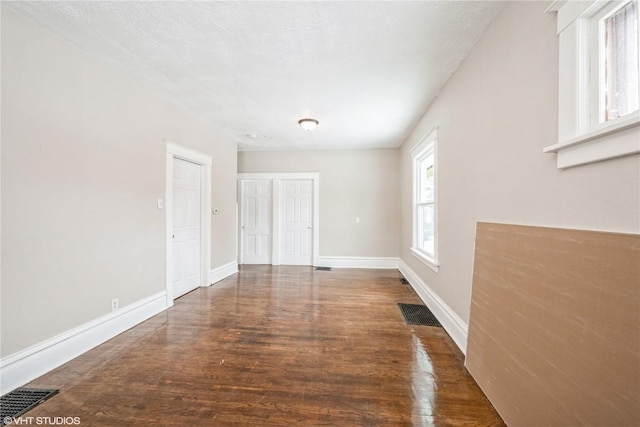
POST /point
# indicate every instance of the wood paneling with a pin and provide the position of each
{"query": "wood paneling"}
(554, 329)
(276, 346)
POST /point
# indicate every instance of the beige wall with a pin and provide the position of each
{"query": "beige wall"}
(353, 183)
(83, 164)
(495, 115)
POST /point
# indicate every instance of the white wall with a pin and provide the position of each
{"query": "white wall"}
(83, 164)
(495, 115)
(353, 183)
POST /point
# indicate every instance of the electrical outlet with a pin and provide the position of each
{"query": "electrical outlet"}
(114, 304)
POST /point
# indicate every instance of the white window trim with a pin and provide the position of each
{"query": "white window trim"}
(580, 142)
(417, 151)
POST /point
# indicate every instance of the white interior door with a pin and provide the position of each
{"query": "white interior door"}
(256, 221)
(186, 227)
(296, 222)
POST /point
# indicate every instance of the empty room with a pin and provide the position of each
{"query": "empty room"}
(320, 213)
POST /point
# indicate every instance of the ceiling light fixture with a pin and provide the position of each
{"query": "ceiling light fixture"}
(308, 124)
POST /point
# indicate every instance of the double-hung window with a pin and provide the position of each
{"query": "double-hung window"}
(613, 64)
(425, 216)
(599, 96)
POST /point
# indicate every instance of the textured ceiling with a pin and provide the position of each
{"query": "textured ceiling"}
(366, 70)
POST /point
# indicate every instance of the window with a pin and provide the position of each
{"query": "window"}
(599, 106)
(612, 64)
(620, 62)
(424, 200)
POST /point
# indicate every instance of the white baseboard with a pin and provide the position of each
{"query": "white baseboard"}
(356, 262)
(20, 368)
(222, 272)
(450, 321)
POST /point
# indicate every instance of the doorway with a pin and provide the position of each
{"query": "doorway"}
(188, 220)
(256, 221)
(278, 218)
(296, 222)
(186, 227)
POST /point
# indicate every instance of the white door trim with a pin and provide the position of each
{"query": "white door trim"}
(276, 177)
(239, 212)
(205, 161)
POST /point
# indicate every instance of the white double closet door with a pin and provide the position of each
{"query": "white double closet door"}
(277, 221)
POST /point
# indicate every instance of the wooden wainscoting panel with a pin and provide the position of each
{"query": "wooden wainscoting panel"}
(554, 329)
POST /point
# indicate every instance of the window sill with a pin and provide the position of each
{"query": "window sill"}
(425, 260)
(616, 140)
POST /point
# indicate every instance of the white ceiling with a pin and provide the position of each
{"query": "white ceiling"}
(367, 70)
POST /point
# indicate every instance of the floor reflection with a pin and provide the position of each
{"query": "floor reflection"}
(423, 384)
(276, 346)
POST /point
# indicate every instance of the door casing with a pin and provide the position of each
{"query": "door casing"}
(205, 161)
(276, 208)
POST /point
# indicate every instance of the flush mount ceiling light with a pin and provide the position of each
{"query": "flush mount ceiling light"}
(308, 124)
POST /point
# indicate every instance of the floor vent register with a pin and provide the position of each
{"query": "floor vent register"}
(19, 401)
(415, 314)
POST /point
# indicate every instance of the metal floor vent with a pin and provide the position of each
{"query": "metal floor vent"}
(21, 400)
(404, 281)
(323, 268)
(415, 314)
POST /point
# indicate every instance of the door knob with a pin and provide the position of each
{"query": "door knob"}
(310, 227)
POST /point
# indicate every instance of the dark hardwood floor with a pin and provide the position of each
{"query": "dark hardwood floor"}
(275, 346)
